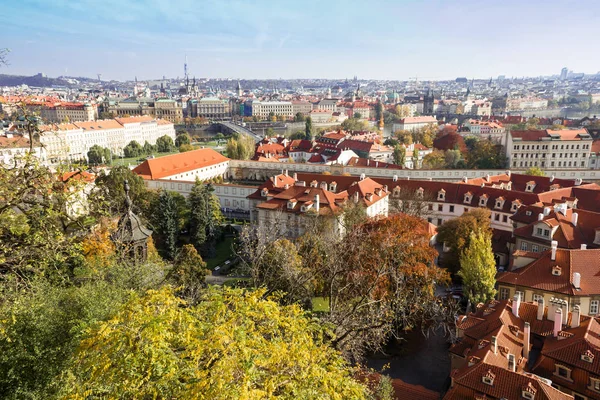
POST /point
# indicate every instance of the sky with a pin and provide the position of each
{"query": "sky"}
(255, 39)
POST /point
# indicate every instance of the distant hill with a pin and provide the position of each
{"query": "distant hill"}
(38, 80)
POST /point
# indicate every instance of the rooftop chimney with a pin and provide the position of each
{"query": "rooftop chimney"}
(574, 218)
(516, 304)
(362, 176)
(583, 246)
(295, 176)
(576, 280)
(576, 316)
(275, 181)
(554, 247)
(512, 365)
(552, 178)
(526, 340)
(286, 172)
(540, 310)
(546, 211)
(317, 204)
(540, 216)
(487, 178)
(557, 321)
(495, 344)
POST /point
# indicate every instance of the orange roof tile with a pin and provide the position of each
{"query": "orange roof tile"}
(174, 164)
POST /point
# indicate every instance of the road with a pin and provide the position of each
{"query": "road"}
(240, 129)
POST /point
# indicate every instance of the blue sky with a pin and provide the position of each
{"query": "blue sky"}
(432, 39)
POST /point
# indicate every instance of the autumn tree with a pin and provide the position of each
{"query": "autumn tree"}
(456, 234)
(407, 201)
(188, 274)
(402, 111)
(434, 160)
(241, 148)
(354, 124)
(486, 154)
(535, 171)
(478, 268)
(157, 346)
(404, 137)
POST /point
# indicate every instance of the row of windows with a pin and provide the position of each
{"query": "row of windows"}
(505, 293)
(545, 147)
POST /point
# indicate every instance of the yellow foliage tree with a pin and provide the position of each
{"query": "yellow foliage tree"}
(232, 345)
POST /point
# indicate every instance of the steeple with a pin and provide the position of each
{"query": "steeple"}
(239, 89)
(131, 236)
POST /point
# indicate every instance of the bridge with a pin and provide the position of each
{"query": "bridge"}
(230, 127)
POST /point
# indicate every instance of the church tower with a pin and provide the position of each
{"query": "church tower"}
(239, 89)
(428, 101)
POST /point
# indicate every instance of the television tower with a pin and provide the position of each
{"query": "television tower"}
(185, 70)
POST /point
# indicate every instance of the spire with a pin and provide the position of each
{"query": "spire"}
(127, 198)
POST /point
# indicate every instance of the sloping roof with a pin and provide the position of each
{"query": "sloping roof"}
(538, 274)
(174, 164)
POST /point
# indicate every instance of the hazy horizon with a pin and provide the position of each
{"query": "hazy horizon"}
(386, 40)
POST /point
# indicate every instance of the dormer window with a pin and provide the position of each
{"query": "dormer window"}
(333, 186)
(529, 391)
(264, 192)
(529, 186)
(499, 203)
(597, 237)
(314, 184)
(420, 192)
(515, 206)
(588, 356)
(468, 197)
(396, 191)
(488, 378)
(291, 204)
(441, 195)
(483, 200)
(556, 270)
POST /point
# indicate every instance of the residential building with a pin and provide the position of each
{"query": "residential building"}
(288, 201)
(485, 130)
(414, 123)
(595, 155)
(14, 146)
(569, 277)
(168, 109)
(328, 104)
(566, 149)
(526, 103)
(65, 112)
(202, 164)
(321, 115)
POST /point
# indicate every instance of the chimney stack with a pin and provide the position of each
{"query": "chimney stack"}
(495, 344)
(286, 172)
(487, 178)
(546, 211)
(552, 178)
(512, 365)
(574, 218)
(576, 280)
(317, 204)
(583, 246)
(540, 216)
(576, 316)
(516, 304)
(554, 247)
(295, 177)
(275, 181)
(557, 321)
(526, 340)
(540, 310)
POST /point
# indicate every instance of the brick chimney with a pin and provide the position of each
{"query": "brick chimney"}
(526, 340)
(540, 310)
(554, 247)
(557, 321)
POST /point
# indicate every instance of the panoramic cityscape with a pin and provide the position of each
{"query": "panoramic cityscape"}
(276, 200)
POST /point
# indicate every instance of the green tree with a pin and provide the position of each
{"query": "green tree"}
(299, 117)
(98, 155)
(270, 132)
(188, 274)
(133, 149)
(353, 124)
(456, 234)
(159, 347)
(186, 147)
(148, 149)
(535, 171)
(183, 138)
(205, 218)
(357, 115)
(298, 135)
(308, 129)
(434, 160)
(165, 221)
(415, 158)
(478, 268)
(378, 110)
(164, 144)
(399, 155)
(485, 154)
(108, 197)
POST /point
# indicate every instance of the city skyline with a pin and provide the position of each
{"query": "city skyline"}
(431, 40)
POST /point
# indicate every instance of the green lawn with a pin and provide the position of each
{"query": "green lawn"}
(224, 253)
(135, 160)
(320, 304)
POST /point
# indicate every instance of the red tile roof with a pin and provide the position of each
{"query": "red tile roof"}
(174, 164)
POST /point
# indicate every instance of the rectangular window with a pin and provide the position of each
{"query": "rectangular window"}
(594, 304)
(534, 248)
(504, 218)
(451, 209)
(497, 217)
(439, 221)
(440, 207)
(524, 246)
(430, 207)
(504, 292)
(539, 231)
(537, 297)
